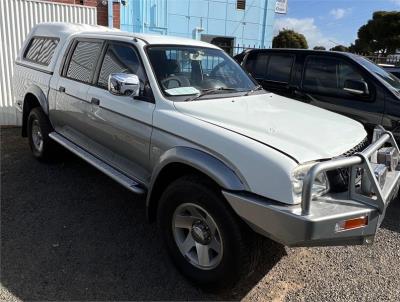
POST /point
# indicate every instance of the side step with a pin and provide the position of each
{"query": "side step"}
(119, 177)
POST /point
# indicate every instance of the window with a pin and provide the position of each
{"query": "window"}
(186, 70)
(240, 4)
(119, 59)
(280, 68)
(256, 64)
(328, 75)
(83, 61)
(41, 50)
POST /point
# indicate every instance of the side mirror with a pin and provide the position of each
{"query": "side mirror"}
(356, 87)
(123, 84)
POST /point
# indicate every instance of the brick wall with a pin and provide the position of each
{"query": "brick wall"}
(102, 10)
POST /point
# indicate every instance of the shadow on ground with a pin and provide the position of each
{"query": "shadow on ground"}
(391, 221)
(70, 233)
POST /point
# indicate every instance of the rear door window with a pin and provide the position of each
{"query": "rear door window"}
(83, 61)
(41, 50)
(279, 68)
(256, 64)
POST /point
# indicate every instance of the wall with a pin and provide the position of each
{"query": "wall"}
(252, 26)
(17, 17)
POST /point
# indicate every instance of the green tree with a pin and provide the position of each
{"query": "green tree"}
(339, 48)
(381, 34)
(319, 48)
(289, 39)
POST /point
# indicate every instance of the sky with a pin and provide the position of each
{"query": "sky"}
(330, 22)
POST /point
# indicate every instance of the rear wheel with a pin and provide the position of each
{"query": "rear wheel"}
(205, 239)
(38, 134)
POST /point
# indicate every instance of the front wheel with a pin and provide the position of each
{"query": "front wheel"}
(205, 239)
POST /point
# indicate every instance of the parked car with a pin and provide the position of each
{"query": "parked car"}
(338, 81)
(395, 70)
(179, 121)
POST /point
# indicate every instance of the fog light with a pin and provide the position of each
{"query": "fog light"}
(389, 157)
(351, 224)
(380, 172)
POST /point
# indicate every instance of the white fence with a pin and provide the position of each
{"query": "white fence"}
(17, 17)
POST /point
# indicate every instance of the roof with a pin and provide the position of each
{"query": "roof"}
(63, 30)
(306, 51)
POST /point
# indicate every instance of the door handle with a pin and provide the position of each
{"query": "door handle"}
(61, 89)
(95, 101)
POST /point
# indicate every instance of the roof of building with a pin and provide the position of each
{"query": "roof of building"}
(64, 30)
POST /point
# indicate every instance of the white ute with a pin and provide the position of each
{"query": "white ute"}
(218, 158)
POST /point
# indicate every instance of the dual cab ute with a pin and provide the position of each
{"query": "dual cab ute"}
(217, 158)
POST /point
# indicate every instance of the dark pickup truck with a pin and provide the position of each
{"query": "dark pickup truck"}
(338, 81)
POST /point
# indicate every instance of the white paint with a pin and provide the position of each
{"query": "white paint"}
(17, 17)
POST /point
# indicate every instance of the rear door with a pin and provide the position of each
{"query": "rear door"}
(279, 73)
(272, 70)
(69, 114)
(323, 86)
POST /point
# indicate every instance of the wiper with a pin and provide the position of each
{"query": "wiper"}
(258, 87)
(210, 91)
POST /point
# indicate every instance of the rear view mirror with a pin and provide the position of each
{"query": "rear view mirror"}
(123, 84)
(356, 87)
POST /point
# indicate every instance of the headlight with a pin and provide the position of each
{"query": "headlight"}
(320, 186)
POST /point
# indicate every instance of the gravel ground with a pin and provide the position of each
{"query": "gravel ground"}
(70, 233)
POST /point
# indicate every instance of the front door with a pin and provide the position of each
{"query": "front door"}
(323, 85)
(122, 124)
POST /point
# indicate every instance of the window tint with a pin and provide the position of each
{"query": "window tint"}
(279, 68)
(41, 50)
(83, 61)
(119, 59)
(256, 64)
(328, 75)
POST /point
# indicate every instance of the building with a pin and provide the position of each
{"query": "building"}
(226, 23)
(102, 9)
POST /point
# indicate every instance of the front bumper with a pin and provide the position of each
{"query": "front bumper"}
(314, 221)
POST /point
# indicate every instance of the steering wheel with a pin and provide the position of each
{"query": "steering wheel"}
(213, 72)
(176, 81)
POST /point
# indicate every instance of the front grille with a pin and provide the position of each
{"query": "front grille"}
(339, 178)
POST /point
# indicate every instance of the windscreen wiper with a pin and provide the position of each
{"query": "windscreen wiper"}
(258, 87)
(210, 91)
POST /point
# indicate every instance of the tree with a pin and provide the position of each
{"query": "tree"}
(289, 39)
(319, 48)
(381, 34)
(339, 48)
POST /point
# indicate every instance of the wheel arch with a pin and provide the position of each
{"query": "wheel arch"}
(180, 161)
(34, 97)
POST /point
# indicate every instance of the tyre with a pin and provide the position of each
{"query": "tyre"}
(39, 128)
(204, 237)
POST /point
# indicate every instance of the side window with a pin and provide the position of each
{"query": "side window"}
(120, 59)
(279, 68)
(327, 75)
(256, 64)
(41, 50)
(83, 61)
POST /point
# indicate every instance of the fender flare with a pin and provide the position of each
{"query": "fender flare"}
(204, 162)
(40, 96)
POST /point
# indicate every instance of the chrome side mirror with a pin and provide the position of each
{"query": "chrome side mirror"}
(123, 84)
